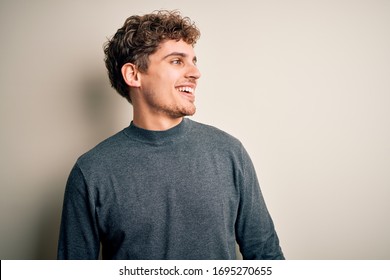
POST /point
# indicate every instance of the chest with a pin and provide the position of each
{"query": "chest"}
(163, 191)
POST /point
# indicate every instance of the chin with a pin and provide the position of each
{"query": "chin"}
(190, 112)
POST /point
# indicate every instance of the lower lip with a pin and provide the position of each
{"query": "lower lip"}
(188, 95)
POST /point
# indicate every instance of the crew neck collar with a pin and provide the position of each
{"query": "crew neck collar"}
(158, 137)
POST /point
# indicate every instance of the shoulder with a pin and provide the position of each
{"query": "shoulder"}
(105, 151)
(215, 135)
(216, 142)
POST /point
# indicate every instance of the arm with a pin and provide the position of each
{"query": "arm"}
(255, 230)
(79, 237)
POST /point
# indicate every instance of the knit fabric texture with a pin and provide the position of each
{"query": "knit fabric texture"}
(190, 192)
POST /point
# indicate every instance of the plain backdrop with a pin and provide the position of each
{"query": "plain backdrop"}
(305, 85)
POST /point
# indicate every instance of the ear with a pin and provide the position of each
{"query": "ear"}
(130, 75)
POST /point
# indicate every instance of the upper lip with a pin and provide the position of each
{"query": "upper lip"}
(191, 85)
(187, 85)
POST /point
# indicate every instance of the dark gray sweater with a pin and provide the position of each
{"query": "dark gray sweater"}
(189, 192)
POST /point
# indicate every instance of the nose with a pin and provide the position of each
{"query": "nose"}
(193, 72)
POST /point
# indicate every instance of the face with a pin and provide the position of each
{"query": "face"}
(167, 89)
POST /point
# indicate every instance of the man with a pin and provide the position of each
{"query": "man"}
(166, 187)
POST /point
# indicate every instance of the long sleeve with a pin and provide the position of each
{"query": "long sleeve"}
(255, 230)
(190, 192)
(79, 237)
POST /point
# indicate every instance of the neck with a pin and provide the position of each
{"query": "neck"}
(156, 123)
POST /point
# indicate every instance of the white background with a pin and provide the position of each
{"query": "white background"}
(303, 84)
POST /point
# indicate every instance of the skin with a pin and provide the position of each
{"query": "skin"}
(159, 102)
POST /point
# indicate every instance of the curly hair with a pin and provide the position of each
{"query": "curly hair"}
(139, 37)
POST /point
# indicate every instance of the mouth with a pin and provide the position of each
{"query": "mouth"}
(187, 92)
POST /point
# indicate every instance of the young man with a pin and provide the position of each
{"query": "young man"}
(166, 187)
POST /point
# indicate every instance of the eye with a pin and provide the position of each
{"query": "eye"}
(176, 61)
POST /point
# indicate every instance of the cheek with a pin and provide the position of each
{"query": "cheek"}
(165, 80)
(162, 82)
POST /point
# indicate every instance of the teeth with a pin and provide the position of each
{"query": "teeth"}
(186, 89)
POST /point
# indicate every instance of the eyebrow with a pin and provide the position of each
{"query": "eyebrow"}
(179, 54)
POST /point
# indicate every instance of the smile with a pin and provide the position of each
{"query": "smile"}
(187, 92)
(185, 89)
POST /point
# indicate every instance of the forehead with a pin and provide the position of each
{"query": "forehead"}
(173, 46)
